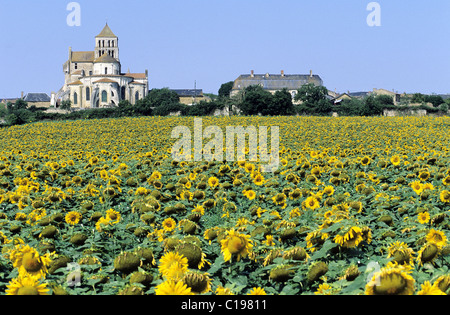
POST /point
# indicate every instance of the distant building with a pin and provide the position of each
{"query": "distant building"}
(275, 82)
(191, 97)
(94, 78)
(37, 99)
(395, 96)
(8, 100)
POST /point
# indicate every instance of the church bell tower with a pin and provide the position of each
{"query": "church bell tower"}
(107, 43)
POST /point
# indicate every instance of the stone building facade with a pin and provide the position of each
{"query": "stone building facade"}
(94, 79)
(275, 82)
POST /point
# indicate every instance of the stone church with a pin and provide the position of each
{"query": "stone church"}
(94, 79)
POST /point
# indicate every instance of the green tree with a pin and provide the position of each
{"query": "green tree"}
(385, 100)
(417, 98)
(314, 99)
(225, 89)
(350, 107)
(66, 105)
(444, 107)
(281, 104)
(372, 106)
(255, 100)
(436, 100)
(163, 98)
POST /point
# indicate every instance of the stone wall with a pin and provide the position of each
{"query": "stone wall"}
(411, 112)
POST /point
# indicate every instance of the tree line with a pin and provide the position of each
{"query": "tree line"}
(253, 100)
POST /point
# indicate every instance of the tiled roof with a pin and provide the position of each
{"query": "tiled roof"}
(276, 81)
(106, 32)
(76, 83)
(83, 56)
(105, 80)
(137, 76)
(188, 93)
(106, 59)
(36, 97)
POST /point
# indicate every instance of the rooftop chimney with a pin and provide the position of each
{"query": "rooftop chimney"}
(310, 73)
(282, 73)
(252, 74)
(21, 95)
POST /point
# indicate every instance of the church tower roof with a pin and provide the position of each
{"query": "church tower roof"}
(106, 32)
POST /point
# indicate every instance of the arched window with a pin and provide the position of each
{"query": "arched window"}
(75, 98)
(122, 93)
(104, 97)
(136, 96)
(106, 70)
(88, 94)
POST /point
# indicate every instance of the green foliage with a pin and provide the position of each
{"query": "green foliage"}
(436, 100)
(281, 104)
(66, 105)
(314, 100)
(255, 100)
(444, 107)
(164, 99)
(225, 89)
(202, 109)
(20, 117)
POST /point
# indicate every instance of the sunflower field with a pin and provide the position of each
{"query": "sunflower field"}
(99, 207)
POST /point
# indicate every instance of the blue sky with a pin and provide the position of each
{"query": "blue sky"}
(214, 41)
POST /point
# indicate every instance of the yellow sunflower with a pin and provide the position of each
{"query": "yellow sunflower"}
(258, 180)
(396, 160)
(213, 182)
(250, 194)
(27, 285)
(427, 254)
(236, 244)
(437, 238)
(351, 237)
(324, 289)
(257, 291)
(444, 196)
(391, 280)
(173, 287)
(365, 161)
(401, 253)
(428, 289)
(423, 217)
(73, 217)
(446, 181)
(169, 224)
(417, 187)
(113, 215)
(28, 261)
(173, 265)
(198, 282)
(311, 203)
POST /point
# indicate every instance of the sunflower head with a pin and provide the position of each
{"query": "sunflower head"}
(193, 253)
(427, 253)
(281, 273)
(437, 238)
(235, 244)
(391, 280)
(317, 270)
(127, 262)
(27, 285)
(198, 282)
